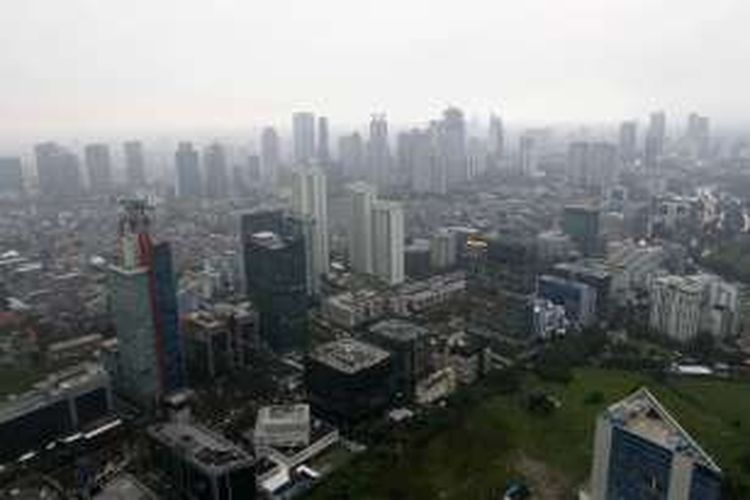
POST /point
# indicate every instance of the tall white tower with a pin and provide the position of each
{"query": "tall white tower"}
(388, 241)
(310, 200)
(360, 231)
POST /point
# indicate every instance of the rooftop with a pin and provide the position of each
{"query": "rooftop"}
(349, 355)
(268, 239)
(284, 414)
(399, 330)
(201, 446)
(125, 487)
(643, 415)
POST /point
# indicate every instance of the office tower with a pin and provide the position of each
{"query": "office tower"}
(496, 141)
(324, 155)
(676, 306)
(276, 259)
(254, 170)
(303, 127)
(476, 158)
(363, 198)
(417, 159)
(592, 165)
(642, 452)
(378, 152)
(388, 241)
(64, 404)
(698, 136)
(581, 223)
(452, 146)
(57, 171)
(578, 299)
(528, 155)
(348, 380)
(201, 464)
(270, 155)
(655, 138)
(407, 344)
(352, 156)
(11, 176)
(310, 200)
(143, 299)
(135, 165)
(215, 171)
(188, 171)
(628, 141)
(99, 167)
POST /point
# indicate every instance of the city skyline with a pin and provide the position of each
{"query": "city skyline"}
(536, 62)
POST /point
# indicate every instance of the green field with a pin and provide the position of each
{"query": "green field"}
(498, 440)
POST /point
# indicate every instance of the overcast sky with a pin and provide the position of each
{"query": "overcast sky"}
(108, 65)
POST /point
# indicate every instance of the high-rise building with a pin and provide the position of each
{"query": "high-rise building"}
(143, 299)
(581, 223)
(11, 176)
(592, 165)
(452, 145)
(656, 137)
(418, 160)
(378, 152)
(276, 265)
(641, 451)
(698, 136)
(388, 241)
(628, 141)
(135, 164)
(99, 167)
(363, 197)
(270, 155)
(57, 170)
(528, 155)
(352, 156)
(578, 299)
(310, 200)
(201, 464)
(303, 127)
(215, 171)
(187, 164)
(324, 154)
(496, 141)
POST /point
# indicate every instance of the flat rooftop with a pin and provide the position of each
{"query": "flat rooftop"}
(201, 446)
(284, 414)
(643, 415)
(398, 330)
(268, 239)
(349, 355)
(126, 487)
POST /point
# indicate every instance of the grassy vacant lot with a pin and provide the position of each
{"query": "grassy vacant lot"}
(498, 439)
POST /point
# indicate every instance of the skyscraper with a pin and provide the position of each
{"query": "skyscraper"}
(352, 155)
(11, 176)
(270, 155)
(363, 198)
(628, 141)
(188, 171)
(99, 167)
(303, 127)
(143, 299)
(135, 165)
(57, 170)
(215, 170)
(581, 223)
(417, 159)
(592, 165)
(388, 241)
(496, 141)
(378, 152)
(528, 155)
(698, 136)
(452, 145)
(309, 199)
(655, 138)
(324, 155)
(641, 452)
(275, 261)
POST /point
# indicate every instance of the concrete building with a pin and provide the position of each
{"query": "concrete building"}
(641, 451)
(201, 464)
(628, 142)
(363, 199)
(348, 380)
(58, 171)
(351, 309)
(578, 299)
(61, 406)
(549, 320)
(135, 164)
(187, 166)
(98, 167)
(310, 200)
(592, 166)
(581, 223)
(323, 153)
(407, 343)
(528, 155)
(452, 146)
(215, 170)
(632, 265)
(656, 137)
(125, 487)
(270, 155)
(443, 249)
(352, 156)
(388, 241)
(11, 176)
(378, 153)
(676, 303)
(303, 128)
(282, 426)
(143, 298)
(416, 296)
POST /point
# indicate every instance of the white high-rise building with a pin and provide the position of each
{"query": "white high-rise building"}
(676, 306)
(388, 241)
(363, 198)
(303, 128)
(309, 199)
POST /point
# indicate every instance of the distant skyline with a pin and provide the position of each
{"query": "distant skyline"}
(99, 68)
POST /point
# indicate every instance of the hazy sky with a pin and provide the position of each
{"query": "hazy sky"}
(108, 65)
